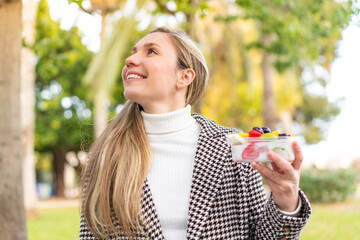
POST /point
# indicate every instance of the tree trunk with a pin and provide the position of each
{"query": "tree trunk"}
(12, 217)
(269, 112)
(27, 108)
(100, 107)
(59, 159)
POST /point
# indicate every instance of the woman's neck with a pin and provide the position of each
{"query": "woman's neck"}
(167, 122)
(160, 108)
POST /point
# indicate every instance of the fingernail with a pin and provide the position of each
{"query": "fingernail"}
(270, 154)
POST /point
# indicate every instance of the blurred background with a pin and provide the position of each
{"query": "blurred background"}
(293, 66)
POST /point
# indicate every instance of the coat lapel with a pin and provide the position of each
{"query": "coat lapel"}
(149, 215)
(210, 162)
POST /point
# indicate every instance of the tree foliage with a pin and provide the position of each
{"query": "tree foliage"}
(300, 31)
(62, 60)
(62, 114)
(187, 7)
(299, 35)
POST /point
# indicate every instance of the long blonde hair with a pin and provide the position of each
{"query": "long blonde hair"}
(120, 158)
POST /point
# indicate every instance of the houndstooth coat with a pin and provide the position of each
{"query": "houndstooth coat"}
(227, 199)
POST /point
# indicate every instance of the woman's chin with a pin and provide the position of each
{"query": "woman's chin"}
(133, 95)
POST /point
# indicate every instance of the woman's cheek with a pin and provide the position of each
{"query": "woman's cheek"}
(123, 72)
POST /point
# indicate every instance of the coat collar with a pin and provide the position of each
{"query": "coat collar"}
(211, 159)
(208, 127)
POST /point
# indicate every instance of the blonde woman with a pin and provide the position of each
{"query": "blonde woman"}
(160, 172)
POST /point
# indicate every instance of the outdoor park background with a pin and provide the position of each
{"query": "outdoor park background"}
(307, 53)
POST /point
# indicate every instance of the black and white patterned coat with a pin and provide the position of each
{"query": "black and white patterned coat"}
(227, 199)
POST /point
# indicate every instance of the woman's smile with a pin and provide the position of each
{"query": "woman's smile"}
(132, 75)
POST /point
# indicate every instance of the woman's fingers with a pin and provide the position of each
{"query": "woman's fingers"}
(298, 156)
(276, 168)
(282, 170)
(272, 184)
(266, 172)
(280, 162)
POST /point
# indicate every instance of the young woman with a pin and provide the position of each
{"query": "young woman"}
(160, 172)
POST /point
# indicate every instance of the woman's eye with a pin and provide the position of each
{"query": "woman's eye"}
(152, 51)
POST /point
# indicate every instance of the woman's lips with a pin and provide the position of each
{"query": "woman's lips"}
(134, 76)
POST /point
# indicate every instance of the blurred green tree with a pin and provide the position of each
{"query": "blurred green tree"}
(62, 114)
(102, 81)
(275, 42)
(103, 76)
(104, 73)
(296, 34)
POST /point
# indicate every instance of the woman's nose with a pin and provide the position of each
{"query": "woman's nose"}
(132, 60)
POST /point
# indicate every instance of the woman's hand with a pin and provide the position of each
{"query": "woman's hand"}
(283, 179)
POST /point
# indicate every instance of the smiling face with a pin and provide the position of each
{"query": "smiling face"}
(151, 73)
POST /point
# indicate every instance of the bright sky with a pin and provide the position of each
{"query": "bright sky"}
(69, 15)
(342, 144)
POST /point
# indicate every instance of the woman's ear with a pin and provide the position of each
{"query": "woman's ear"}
(187, 76)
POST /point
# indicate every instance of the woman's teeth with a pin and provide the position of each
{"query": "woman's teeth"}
(134, 76)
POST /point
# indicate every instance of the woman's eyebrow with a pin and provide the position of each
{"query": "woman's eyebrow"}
(147, 45)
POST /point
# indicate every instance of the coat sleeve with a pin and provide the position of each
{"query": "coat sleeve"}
(266, 221)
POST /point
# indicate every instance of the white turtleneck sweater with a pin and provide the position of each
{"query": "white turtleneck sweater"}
(173, 138)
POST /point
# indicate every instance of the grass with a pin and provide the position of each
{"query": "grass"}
(334, 221)
(327, 222)
(55, 224)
